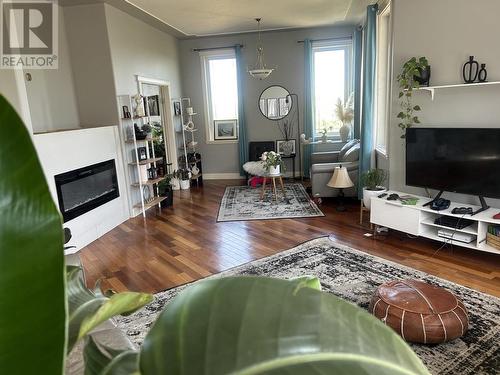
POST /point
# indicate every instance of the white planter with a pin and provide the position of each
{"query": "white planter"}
(184, 184)
(175, 184)
(344, 133)
(368, 194)
(275, 171)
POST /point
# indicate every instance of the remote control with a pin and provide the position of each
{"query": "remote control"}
(382, 195)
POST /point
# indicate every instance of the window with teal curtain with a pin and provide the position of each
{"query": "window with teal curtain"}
(308, 105)
(242, 126)
(368, 93)
(358, 54)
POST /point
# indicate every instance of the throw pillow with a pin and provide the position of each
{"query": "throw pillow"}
(352, 154)
(346, 147)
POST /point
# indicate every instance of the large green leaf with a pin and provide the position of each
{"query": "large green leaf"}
(32, 298)
(254, 325)
(88, 309)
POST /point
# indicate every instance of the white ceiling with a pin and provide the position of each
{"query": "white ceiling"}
(212, 17)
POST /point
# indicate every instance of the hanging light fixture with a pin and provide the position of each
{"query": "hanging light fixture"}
(259, 70)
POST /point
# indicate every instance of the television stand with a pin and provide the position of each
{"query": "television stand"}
(484, 206)
(434, 199)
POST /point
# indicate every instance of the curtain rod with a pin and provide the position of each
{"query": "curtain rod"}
(324, 39)
(212, 48)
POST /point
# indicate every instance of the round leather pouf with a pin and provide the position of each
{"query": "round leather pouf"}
(420, 312)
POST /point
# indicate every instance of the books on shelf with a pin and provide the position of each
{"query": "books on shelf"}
(493, 236)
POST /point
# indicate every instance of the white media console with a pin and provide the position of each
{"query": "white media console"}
(419, 220)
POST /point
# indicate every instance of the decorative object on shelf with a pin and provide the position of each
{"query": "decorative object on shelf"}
(165, 190)
(420, 312)
(225, 129)
(141, 153)
(407, 83)
(372, 182)
(470, 70)
(194, 170)
(272, 162)
(286, 147)
(184, 177)
(143, 173)
(139, 105)
(275, 102)
(340, 180)
(260, 71)
(345, 114)
(324, 135)
(126, 112)
(152, 175)
(129, 133)
(189, 111)
(482, 75)
(153, 105)
(175, 180)
(143, 132)
(189, 126)
(146, 194)
(304, 140)
(177, 108)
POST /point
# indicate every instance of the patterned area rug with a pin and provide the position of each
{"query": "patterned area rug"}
(354, 276)
(244, 203)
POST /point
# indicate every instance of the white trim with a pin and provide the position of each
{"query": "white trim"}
(152, 81)
(222, 176)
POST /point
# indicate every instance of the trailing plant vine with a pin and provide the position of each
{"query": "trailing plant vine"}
(407, 83)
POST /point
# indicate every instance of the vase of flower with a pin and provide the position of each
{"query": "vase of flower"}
(274, 171)
(345, 114)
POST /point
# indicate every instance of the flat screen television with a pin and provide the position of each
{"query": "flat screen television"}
(457, 160)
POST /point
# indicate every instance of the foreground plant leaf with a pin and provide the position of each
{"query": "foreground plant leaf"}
(88, 309)
(256, 325)
(32, 298)
(102, 360)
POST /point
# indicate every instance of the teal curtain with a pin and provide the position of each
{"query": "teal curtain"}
(242, 125)
(308, 104)
(368, 92)
(358, 54)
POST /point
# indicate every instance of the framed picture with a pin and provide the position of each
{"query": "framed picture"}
(287, 148)
(225, 129)
(177, 108)
(141, 153)
(126, 112)
(153, 105)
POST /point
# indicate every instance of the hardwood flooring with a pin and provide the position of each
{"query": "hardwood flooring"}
(185, 243)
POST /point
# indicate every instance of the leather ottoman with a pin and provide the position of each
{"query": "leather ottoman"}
(420, 312)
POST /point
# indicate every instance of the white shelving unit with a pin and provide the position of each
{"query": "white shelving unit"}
(136, 184)
(432, 89)
(189, 143)
(418, 220)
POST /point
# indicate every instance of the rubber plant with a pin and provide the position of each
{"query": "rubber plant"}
(237, 325)
(407, 84)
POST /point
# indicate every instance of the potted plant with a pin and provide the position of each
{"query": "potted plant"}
(272, 162)
(165, 190)
(184, 177)
(415, 72)
(372, 182)
(175, 180)
(345, 114)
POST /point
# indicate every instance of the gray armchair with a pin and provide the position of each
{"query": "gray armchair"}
(323, 164)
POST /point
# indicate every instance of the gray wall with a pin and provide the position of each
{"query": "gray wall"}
(452, 30)
(281, 49)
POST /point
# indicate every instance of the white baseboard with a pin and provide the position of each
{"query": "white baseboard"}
(222, 176)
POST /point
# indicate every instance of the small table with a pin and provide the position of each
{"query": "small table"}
(273, 178)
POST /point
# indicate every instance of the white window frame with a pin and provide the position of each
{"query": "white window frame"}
(334, 45)
(205, 57)
(382, 145)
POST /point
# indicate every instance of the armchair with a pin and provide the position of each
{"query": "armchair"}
(323, 165)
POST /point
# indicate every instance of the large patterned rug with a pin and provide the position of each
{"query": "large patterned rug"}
(244, 203)
(354, 276)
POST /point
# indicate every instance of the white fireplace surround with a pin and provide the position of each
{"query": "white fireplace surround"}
(64, 151)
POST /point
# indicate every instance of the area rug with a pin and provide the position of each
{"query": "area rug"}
(244, 203)
(354, 276)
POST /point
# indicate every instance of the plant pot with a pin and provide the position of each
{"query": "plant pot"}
(425, 76)
(184, 184)
(368, 194)
(275, 171)
(175, 184)
(168, 194)
(344, 133)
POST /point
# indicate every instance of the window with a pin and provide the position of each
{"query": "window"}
(220, 91)
(332, 79)
(383, 81)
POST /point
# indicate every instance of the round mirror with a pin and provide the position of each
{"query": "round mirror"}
(275, 102)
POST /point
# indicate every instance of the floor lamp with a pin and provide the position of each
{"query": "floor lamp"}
(340, 180)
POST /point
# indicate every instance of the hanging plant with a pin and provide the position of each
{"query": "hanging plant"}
(408, 80)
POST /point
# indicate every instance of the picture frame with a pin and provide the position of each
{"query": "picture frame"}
(142, 153)
(225, 130)
(126, 112)
(153, 103)
(177, 108)
(286, 147)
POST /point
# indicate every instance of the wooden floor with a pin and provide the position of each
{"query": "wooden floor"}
(185, 243)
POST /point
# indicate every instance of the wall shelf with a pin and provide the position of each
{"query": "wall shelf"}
(148, 182)
(146, 161)
(432, 89)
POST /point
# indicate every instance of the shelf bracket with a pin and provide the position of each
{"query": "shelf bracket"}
(430, 90)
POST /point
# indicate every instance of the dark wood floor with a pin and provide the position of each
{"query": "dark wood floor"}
(185, 243)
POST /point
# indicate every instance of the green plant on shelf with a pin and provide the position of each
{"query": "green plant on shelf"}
(373, 179)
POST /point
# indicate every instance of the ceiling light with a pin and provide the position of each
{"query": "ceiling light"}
(259, 70)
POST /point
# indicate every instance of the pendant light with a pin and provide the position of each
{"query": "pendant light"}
(259, 70)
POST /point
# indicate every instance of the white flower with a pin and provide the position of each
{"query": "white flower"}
(264, 156)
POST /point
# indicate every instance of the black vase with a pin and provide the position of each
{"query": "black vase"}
(470, 70)
(168, 193)
(425, 76)
(483, 74)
